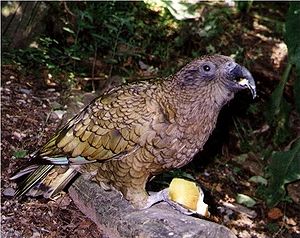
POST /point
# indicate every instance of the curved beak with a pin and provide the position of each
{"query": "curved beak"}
(247, 81)
(242, 78)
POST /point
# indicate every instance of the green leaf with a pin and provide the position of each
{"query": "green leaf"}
(258, 180)
(297, 87)
(293, 42)
(284, 168)
(282, 130)
(181, 10)
(245, 200)
(68, 30)
(244, 6)
(274, 104)
(293, 31)
(273, 227)
(18, 154)
(178, 173)
(75, 58)
(278, 110)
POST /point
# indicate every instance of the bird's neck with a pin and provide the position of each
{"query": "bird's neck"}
(197, 112)
(199, 117)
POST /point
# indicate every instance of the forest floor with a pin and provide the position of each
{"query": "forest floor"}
(27, 122)
(31, 113)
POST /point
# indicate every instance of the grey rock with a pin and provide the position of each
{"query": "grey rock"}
(9, 192)
(25, 91)
(117, 218)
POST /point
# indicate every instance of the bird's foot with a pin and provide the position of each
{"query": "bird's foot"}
(156, 197)
(163, 196)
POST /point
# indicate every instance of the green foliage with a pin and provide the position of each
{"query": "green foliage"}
(297, 88)
(19, 154)
(45, 55)
(244, 6)
(115, 32)
(273, 227)
(278, 111)
(259, 180)
(178, 173)
(284, 168)
(213, 24)
(122, 33)
(163, 180)
(179, 9)
(245, 200)
(293, 43)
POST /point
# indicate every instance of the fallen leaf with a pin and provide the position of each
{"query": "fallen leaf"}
(218, 188)
(290, 221)
(293, 191)
(275, 213)
(245, 200)
(259, 180)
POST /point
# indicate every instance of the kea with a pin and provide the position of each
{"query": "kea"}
(136, 131)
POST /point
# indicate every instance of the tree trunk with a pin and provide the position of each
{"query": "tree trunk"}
(22, 22)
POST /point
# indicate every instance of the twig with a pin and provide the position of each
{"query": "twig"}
(93, 67)
(68, 9)
(115, 48)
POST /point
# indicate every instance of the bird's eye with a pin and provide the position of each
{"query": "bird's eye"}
(206, 68)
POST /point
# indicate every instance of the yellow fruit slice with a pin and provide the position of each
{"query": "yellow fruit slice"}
(188, 195)
(184, 192)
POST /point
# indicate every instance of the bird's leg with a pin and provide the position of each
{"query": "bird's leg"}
(141, 200)
(136, 196)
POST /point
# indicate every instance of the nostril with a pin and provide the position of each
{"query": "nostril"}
(230, 65)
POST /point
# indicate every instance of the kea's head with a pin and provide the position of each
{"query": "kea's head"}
(213, 76)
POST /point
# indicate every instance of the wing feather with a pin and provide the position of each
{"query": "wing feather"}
(110, 126)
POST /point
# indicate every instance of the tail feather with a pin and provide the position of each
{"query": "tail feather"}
(60, 182)
(46, 180)
(23, 172)
(34, 177)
